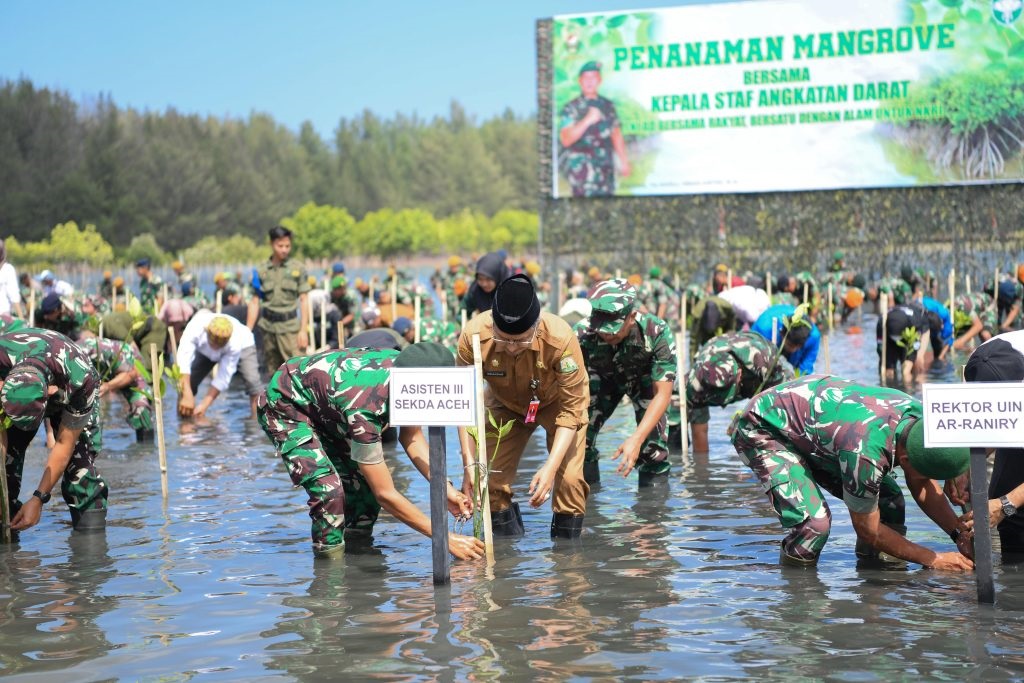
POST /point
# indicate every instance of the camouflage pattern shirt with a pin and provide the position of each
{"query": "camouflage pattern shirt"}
(974, 305)
(446, 334)
(149, 291)
(645, 356)
(733, 367)
(846, 429)
(110, 357)
(64, 365)
(588, 163)
(344, 394)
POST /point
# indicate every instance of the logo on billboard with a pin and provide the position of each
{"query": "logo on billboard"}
(1007, 11)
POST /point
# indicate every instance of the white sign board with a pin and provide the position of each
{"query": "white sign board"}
(435, 397)
(979, 414)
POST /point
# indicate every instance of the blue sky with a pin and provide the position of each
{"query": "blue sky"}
(296, 60)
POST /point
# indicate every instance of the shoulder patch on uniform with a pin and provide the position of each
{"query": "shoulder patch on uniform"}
(568, 365)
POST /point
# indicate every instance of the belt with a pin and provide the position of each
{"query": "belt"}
(274, 317)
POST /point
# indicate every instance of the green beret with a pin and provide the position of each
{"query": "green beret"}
(655, 271)
(590, 66)
(935, 463)
(338, 281)
(837, 255)
(425, 355)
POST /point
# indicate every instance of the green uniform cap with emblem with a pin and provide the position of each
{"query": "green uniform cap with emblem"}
(590, 66)
(23, 397)
(612, 301)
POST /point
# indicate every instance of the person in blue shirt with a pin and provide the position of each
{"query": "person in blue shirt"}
(940, 327)
(802, 337)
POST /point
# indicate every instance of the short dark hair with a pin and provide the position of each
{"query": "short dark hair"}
(279, 232)
(798, 334)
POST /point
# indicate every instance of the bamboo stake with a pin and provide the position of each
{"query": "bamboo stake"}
(481, 449)
(684, 422)
(416, 321)
(824, 341)
(830, 316)
(158, 408)
(394, 297)
(4, 495)
(163, 299)
(768, 283)
(309, 325)
(219, 305)
(805, 292)
(463, 312)
(341, 335)
(967, 283)
(444, 306)
(113, 298)
(951, 283)
(323, 323)
(883, 302)
(174, 342)
(728, 280)
(775, 332)
(32, 307)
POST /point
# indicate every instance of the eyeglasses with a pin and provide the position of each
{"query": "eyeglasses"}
(517, 342)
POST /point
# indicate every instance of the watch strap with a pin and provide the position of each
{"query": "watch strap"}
(1009, 509)
(44, 498)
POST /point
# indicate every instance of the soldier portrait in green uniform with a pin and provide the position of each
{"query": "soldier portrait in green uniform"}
(591, 139)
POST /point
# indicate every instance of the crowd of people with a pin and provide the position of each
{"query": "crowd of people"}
(328, 350)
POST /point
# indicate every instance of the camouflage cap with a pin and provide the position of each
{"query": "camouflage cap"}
(590, 66)
(612, 301)
(23, 397)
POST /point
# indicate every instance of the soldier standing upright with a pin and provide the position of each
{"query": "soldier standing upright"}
(627, 353)
(283, 286)
(591, 137)
(149, 286)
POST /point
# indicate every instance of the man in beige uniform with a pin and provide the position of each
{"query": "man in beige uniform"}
(282, 286)
(534, 372)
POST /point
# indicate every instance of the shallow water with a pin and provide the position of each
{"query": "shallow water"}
(218, 582)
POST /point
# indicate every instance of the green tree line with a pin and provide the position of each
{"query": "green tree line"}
(171, 179)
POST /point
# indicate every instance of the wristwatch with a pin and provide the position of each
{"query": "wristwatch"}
(1009, 509)
(44, 498)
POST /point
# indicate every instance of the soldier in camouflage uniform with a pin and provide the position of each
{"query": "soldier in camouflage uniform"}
(627, 353)
(974, 315)
(149, 286)
(711, 317)
(115, 361)
(63, 315)
(828, 433)
(590, 135)
(326, 414)
(446, 334)
(283, 286)
(729, 368)
(46, 375)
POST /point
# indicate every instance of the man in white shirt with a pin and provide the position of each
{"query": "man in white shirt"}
(52, 284)
(210, 339)
(748, 303)
(10, 294)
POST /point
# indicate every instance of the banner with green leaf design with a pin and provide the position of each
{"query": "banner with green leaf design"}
(777, 95)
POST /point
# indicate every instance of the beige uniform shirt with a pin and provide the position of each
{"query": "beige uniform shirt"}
(554, 359)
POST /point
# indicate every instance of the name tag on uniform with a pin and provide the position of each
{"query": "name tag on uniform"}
(494, 373)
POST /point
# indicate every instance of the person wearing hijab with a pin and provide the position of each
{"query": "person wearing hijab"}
(490, 270)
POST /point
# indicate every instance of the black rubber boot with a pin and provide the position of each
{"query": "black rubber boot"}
(591, 472)
(144, 436)
(90, 521)
(508, 522)
(566, 526)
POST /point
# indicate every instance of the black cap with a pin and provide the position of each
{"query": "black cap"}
(781, 283)
(995, 361)
(50, 303)
(859, 281)
(516, 307)
(142, 263)
(897, 321)
(425, 355)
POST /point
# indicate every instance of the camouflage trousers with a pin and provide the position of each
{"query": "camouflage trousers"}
(140, 413)
(590, 178)
(339, 498)
(605, 397)
(794, 486)
(81, 485)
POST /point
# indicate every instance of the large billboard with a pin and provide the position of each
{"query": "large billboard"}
(776, 95)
